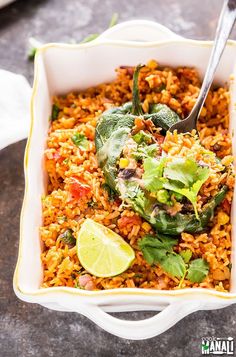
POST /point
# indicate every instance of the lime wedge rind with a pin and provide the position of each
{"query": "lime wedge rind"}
(102, 252)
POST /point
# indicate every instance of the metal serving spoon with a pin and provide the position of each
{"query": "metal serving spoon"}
(224, 27)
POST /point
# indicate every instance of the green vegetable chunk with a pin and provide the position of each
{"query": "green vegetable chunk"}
(174, 225)
(113, 128)
(111, 134)
(163, 196)
(198, 270)
(68, 238)
(162, 116)
(142, 137)
(162, 181)
(136, 105)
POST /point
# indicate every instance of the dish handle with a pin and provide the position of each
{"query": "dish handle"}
(141, 329)
(138, 30)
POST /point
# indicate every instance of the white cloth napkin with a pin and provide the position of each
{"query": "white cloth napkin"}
(5, 2)
(15, 94)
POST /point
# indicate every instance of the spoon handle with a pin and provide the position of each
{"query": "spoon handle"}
(224, 27)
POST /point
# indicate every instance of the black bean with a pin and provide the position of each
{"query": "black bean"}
(216, 147)
(127, 173)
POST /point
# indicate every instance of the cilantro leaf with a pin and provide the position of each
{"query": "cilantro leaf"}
(186, 177)
(161, 241)
(80, 141)
(159, 250)
(198, 270)
(174, 265)
(153, 171)
(183, 170)
(153, 255)
(186, 255)
(142, 204)
(154, 249)
(144, 151)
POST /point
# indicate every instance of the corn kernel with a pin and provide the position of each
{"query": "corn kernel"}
(227, 160)
(145, 106)
(123, 163)
(222, 218)
(146, 226)
(152, 64)
(66, 110)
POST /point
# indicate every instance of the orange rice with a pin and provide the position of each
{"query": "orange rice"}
(64, 162)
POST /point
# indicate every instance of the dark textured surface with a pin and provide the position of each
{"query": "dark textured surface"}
(31, 330)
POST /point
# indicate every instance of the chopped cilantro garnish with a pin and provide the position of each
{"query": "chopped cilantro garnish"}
(55, 112)
(80, 141)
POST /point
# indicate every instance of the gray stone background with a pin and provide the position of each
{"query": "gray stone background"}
(29, 329)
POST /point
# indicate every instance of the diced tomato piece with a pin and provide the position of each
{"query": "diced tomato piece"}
(124, 221)
(78, 189)
(159, 138)
(117, 202)
(226, 205)
(139, 124)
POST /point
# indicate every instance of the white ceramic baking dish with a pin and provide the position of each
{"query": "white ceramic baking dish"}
(60, 68)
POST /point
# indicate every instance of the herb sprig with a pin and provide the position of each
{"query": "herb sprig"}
(186, 177)
(182, 176)
(159, 250)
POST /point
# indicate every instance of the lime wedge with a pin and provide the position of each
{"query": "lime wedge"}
(102, 252)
